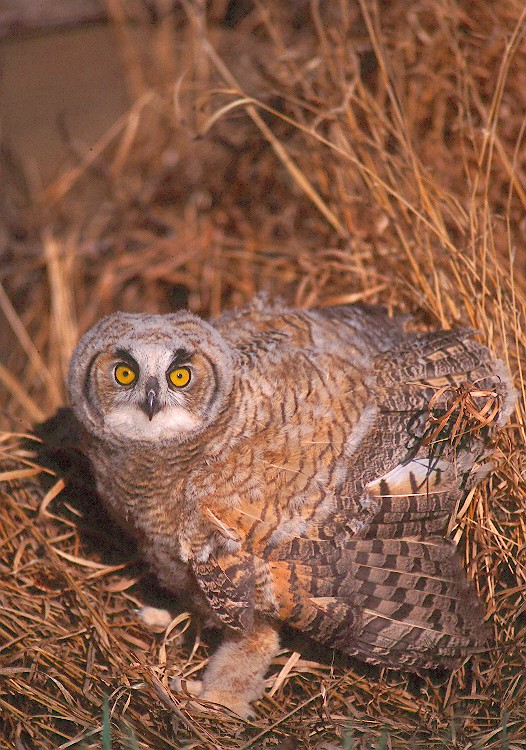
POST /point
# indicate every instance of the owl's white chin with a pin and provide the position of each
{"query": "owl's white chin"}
(132, 423)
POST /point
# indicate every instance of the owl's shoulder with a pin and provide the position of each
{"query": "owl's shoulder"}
(261, 326)
(267, 323)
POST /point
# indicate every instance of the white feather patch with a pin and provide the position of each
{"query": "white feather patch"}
(421, 473)
(130, 422)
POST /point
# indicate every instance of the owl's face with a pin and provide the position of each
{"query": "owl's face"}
(149, 378)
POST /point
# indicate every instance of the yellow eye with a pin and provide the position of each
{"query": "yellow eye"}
(180, 377)
(124, 375)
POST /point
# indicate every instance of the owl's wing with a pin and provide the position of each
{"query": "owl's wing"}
(379, 584)
(398, 595)
(266, 323)
(407, 479)
(228, 583)
(401, 603)
(361, 325)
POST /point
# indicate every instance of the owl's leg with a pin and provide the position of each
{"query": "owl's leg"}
(235, 674)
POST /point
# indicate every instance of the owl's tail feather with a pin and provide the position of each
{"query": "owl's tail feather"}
(418, 609)
(401, 603)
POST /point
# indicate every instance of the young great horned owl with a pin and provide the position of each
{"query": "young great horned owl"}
(297, 466)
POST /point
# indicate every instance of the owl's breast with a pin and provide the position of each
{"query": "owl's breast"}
(145, 492)
(286, 470)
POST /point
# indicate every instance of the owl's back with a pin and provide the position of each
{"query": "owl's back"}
(265, 321)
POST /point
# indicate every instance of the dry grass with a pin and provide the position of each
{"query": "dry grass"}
(329, 152)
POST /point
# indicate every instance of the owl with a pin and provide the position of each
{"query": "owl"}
(299, 466)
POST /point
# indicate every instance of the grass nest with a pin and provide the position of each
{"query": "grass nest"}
(327, 152)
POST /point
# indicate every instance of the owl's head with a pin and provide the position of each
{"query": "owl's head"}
(149, 378)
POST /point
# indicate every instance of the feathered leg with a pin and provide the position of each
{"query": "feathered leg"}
(235, 674)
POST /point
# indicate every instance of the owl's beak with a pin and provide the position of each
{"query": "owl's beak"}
(151, 405)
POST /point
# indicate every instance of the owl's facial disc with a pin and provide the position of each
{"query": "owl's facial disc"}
(150, 378)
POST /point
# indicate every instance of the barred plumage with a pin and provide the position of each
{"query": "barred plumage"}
(304, 472)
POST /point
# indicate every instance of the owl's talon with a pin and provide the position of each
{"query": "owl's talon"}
(154, 618)
(195, 687)
(234, 703)
(185, 686)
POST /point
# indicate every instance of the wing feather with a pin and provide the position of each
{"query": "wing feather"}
(396, 602)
